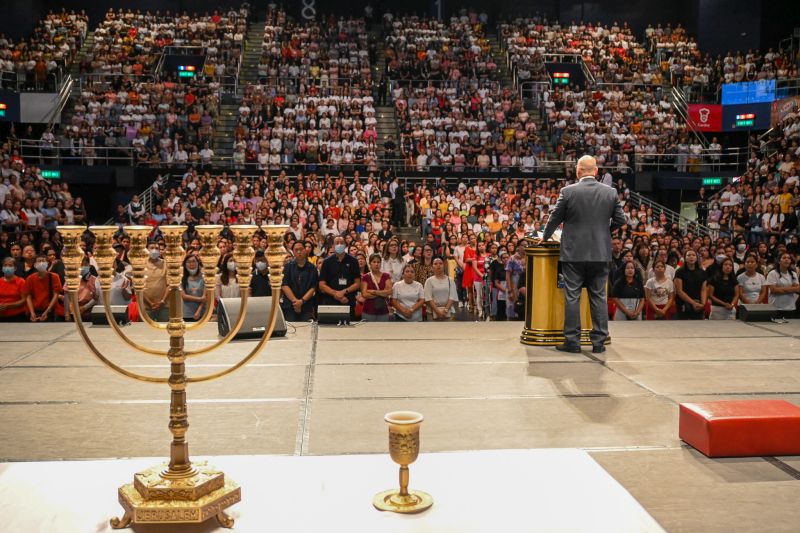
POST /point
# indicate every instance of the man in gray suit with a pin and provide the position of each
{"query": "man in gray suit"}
(585, 208)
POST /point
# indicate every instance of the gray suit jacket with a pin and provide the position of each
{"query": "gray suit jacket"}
(585, 208)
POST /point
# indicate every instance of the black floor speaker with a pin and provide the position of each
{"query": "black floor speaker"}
(255, 320)
(757, 312)
(98, 316)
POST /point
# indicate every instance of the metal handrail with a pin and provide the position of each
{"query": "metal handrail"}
(58, 154)
(681, 107)
(673, 217)
(64, 95)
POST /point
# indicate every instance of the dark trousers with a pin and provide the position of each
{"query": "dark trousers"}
(594, 277)
(293, 316)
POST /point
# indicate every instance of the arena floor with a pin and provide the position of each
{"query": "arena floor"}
(323, 391)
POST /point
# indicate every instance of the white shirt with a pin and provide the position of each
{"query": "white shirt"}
(783, 302)
(409, 294)
(751, 286)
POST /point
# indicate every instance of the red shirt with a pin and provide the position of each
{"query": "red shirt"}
(42, 290)
(11, 292)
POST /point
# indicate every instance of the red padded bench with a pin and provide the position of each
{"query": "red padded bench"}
(741, 428)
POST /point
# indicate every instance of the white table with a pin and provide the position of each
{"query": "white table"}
(486, 491)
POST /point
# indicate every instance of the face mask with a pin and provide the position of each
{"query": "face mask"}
(85, 271)
(41, 267)
(8, 271)
(231, 266)
(741, 247)
(261, 266)
(155, 254)
(720, 258)
(193, 271)
(340, 249)
(629, 246)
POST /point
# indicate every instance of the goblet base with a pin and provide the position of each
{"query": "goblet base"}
(390, 500)
(153, 499)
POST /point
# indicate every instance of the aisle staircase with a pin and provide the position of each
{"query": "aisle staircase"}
(506, 78)
(225, 123)
(673, 217)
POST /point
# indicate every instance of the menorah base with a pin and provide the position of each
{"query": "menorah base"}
(390, 500)
(153, 499)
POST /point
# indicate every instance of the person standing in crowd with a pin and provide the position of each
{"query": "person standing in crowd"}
(376, 288)
(470, 251)
(120, 293)
(41, 293)
(723, 291)
(408, 297)
(300, 280)
(155, 285)
(660, 293)
(498, 278)
(783, 288)
(478, 273)
(339, 278)
(690, 288)
(628, 294)
(12, 293)
(424, 267)
(515, 270)
(440, 293)
(193, 288)
(227, 285)
(585, 208)
(392, 261)
(752, 282)
(259, 283)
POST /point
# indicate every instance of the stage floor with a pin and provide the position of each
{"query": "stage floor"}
(477, 386)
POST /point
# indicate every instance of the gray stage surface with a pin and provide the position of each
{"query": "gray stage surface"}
(324, 390)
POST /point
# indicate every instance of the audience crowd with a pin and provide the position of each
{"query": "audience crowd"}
(31, 64)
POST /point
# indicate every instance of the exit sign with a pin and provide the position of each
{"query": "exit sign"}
(745, 120)
(712, 181)
(51, 174)
(560, 78)
(186, 71)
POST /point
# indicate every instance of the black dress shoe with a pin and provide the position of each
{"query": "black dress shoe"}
(598, 349)
(568, 348)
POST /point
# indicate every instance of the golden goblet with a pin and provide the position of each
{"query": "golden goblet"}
(404, 450)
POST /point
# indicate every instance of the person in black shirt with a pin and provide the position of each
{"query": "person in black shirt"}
(497, 276)
(690, 288)
(259, 283)
(340, 278)
(628, 294)
(724, 290)
(300, 281)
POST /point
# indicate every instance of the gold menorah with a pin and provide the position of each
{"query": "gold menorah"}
(180, 491)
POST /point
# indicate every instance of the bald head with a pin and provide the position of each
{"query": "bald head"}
(587, 166)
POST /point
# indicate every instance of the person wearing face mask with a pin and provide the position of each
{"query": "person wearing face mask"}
(155, 285)
(259, 283)
(339, 278)
(41, 293)
(88, 292)
(227, 285)
(12, 297)
(193, 289)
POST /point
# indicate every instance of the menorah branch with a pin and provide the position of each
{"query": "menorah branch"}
(121, 334)
(144, 315)
(273, 313)
(73, 298)
(206, 314)
(244, 293)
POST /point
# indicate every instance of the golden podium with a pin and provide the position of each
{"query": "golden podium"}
(544, 306)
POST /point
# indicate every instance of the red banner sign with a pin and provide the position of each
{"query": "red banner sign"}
(705, 117)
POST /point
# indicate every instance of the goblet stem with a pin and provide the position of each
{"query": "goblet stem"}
(404, 480)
